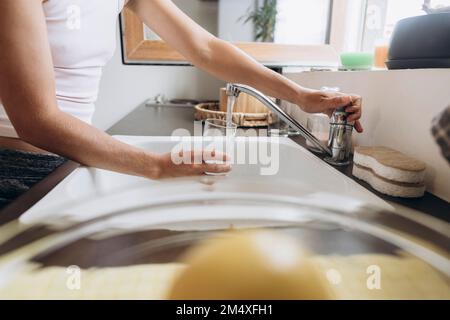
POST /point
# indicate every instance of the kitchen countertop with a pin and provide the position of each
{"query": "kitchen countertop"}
(162, 121)
(166, 119)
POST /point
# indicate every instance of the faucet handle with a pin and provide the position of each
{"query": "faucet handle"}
(340, 134)
(340, 116)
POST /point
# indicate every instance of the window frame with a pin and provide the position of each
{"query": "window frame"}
(339, 27)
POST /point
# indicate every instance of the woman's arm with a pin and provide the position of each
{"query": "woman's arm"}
(27, 90)
(230, 64)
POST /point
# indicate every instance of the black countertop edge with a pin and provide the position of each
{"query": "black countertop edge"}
(428, 204)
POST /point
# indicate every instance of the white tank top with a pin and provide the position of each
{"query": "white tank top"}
(82, 36)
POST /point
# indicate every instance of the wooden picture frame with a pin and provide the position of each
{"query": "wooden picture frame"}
(136, 49)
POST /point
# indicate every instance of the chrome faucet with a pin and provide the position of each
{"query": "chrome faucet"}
(339, 143)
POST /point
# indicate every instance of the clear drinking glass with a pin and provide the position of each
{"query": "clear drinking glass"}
(319, 126)
(218, 139)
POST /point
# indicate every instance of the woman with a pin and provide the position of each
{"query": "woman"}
(51, 56)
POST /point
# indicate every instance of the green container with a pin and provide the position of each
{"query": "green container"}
(357, 60)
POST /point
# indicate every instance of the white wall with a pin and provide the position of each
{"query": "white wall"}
(302, 21)
(398, 110)
(230, 11)
(124, 87)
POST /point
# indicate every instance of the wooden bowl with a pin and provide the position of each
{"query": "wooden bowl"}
(205, 111)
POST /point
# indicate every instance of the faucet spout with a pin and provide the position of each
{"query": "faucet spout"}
(236, 89)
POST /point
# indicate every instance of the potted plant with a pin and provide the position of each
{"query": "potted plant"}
(264, 18)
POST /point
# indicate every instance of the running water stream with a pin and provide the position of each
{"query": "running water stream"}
(230, 106)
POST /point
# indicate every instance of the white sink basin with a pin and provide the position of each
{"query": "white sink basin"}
(72, 196)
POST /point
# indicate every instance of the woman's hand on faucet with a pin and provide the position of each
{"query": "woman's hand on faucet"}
(315, 101)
